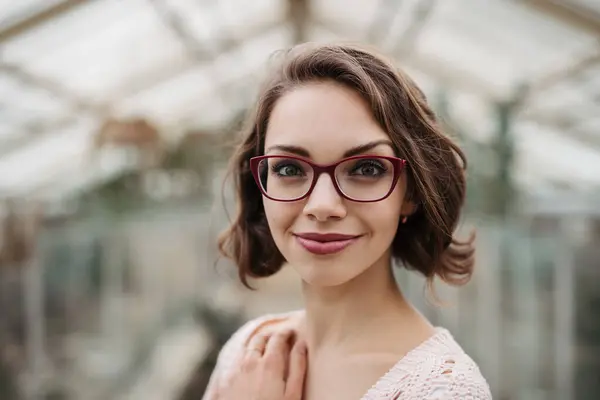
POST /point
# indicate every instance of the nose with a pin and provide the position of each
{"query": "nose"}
(325, 203)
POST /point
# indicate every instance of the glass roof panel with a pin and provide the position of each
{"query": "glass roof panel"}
(488, 42)
(591, 125)
(45, 159)
(164, 100)
(97, 66)
(241, 16)
(196, 91)
(15, 11)
(22, 103)
(355, 13)
(558, 158)
(126, 54)
(210, 21)
(127, 43)
(466, 39)
(591, 5)
(7, 131)
(68, 29)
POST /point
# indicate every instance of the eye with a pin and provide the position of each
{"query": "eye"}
(286, 168)
(370, 167)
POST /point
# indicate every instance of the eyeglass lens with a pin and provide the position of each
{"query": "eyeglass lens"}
(363, 179)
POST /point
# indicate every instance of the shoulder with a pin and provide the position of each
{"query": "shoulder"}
(235, 346)
(440, 369)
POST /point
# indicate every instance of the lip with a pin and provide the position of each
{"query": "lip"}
(325, 243)
(325, 237)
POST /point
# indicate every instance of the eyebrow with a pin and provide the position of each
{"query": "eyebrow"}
(354, 151)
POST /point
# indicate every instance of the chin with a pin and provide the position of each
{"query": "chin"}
(326, 271)
(324, 276)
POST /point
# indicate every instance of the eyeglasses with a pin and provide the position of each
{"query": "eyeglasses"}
(362, 179)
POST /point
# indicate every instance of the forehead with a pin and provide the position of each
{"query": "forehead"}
(325, 118)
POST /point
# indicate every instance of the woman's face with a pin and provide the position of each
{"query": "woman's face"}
(324, 121)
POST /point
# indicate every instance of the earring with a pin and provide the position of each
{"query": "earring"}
(404, 219)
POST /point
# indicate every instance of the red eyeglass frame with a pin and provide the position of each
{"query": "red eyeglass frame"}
(329, 169)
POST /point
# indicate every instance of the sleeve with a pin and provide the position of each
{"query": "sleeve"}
(467, 384)
(230, 354)
(223, 360)
(454, 377)
(472, 387)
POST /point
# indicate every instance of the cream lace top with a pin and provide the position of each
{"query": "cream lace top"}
(436, 369)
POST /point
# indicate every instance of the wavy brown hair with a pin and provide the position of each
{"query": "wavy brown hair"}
(435, 173)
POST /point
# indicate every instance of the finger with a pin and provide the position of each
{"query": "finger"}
(277, 351)
(253, 354)
(264, 327)
(258, 344)
(298, 362)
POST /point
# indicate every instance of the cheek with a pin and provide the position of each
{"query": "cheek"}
(280, 216)
(384, 220)
(383, 217)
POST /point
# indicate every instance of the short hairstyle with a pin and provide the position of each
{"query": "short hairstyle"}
(435, 170)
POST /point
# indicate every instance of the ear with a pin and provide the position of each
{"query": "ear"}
(408, 208)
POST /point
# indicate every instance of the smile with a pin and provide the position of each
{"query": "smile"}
(322, 244)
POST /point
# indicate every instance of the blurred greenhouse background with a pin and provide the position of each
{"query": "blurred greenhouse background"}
(115, 119)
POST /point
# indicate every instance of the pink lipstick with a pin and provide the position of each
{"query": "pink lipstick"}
(322, 244)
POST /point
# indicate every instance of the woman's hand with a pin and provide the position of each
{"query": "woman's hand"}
(269, 370)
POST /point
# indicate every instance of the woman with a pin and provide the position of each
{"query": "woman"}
(342, 173)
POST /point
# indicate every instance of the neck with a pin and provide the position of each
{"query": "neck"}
(343, 315)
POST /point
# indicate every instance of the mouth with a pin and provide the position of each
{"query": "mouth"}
(322, 244)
